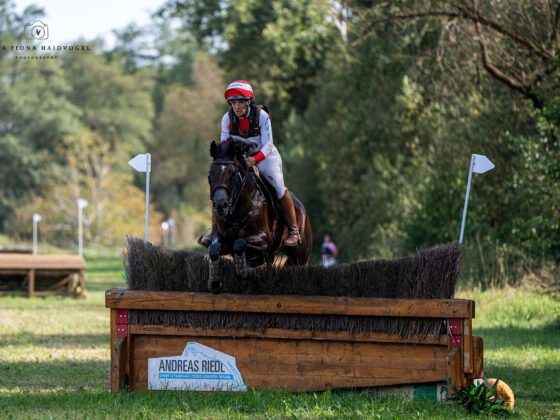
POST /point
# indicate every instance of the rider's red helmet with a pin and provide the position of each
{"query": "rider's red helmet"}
(240, 89)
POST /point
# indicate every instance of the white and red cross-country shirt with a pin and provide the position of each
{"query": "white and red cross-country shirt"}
(264, 143)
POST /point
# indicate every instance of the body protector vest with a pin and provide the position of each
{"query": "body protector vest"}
(253, 131)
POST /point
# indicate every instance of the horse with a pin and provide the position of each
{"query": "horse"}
(249, 222)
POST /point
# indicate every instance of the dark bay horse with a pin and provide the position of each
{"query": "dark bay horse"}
(249, 223)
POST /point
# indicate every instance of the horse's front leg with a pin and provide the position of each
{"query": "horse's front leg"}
(256, 244)
(242, 269)
(215, 276)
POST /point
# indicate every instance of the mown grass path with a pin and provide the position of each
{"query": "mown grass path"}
(54, 363)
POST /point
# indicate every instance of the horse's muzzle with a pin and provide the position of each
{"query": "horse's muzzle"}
(220, 203)
(221, 209)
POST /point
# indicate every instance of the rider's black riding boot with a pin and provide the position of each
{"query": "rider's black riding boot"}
(207, 240)
(287, 205)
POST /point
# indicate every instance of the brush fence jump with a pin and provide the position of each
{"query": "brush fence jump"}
(297, 360)
(29, 275)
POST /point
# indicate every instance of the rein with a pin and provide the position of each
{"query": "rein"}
(234, 194)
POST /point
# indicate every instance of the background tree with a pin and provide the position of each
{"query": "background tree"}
(518, 40)
(116, 105)
(376, 109)
(189, 121)
(34, 112)
(500, 44)
(89, 169)
(279, 46)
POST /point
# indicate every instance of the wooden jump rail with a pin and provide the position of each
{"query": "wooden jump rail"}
(31, 266)
(300, 360)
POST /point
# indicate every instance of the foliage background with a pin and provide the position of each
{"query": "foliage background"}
(376, 108)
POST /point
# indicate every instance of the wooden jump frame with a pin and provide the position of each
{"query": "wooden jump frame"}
(31, 266)
(300, 360)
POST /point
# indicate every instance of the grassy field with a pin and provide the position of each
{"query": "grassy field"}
(54, 363)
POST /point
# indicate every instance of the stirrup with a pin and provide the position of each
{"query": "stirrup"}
(292, 231)
(203, 238)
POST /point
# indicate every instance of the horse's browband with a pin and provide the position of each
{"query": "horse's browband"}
(223, 162)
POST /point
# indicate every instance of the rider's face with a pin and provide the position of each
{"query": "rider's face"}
(240, 107)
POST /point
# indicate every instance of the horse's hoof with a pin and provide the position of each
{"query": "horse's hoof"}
(214, 251)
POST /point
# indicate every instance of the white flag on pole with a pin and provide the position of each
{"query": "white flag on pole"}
(481, 164)
(142, 162)
(37, 217)
(82, 204)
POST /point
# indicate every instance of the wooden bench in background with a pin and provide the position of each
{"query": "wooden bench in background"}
(24, 274)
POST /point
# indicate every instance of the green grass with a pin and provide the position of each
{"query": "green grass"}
(521, 333)
(54, 363)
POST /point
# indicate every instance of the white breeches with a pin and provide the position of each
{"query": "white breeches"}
(271, 168)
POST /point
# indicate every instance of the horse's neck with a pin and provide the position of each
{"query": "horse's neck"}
(248, 196)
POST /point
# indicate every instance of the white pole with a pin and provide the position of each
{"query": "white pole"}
(165, 228)
(142, 165)
(36, 219)
(34, 237)
(80, 244)
(467, 199)
(82, 204)
(171, 233)
(148, 168)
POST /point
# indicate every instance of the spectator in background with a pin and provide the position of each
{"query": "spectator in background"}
(329, 252)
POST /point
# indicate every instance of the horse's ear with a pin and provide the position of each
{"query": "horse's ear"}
(213, 150)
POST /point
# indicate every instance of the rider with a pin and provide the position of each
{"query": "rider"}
(263, 154)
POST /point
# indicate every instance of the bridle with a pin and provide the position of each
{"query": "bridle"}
(234, 193)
